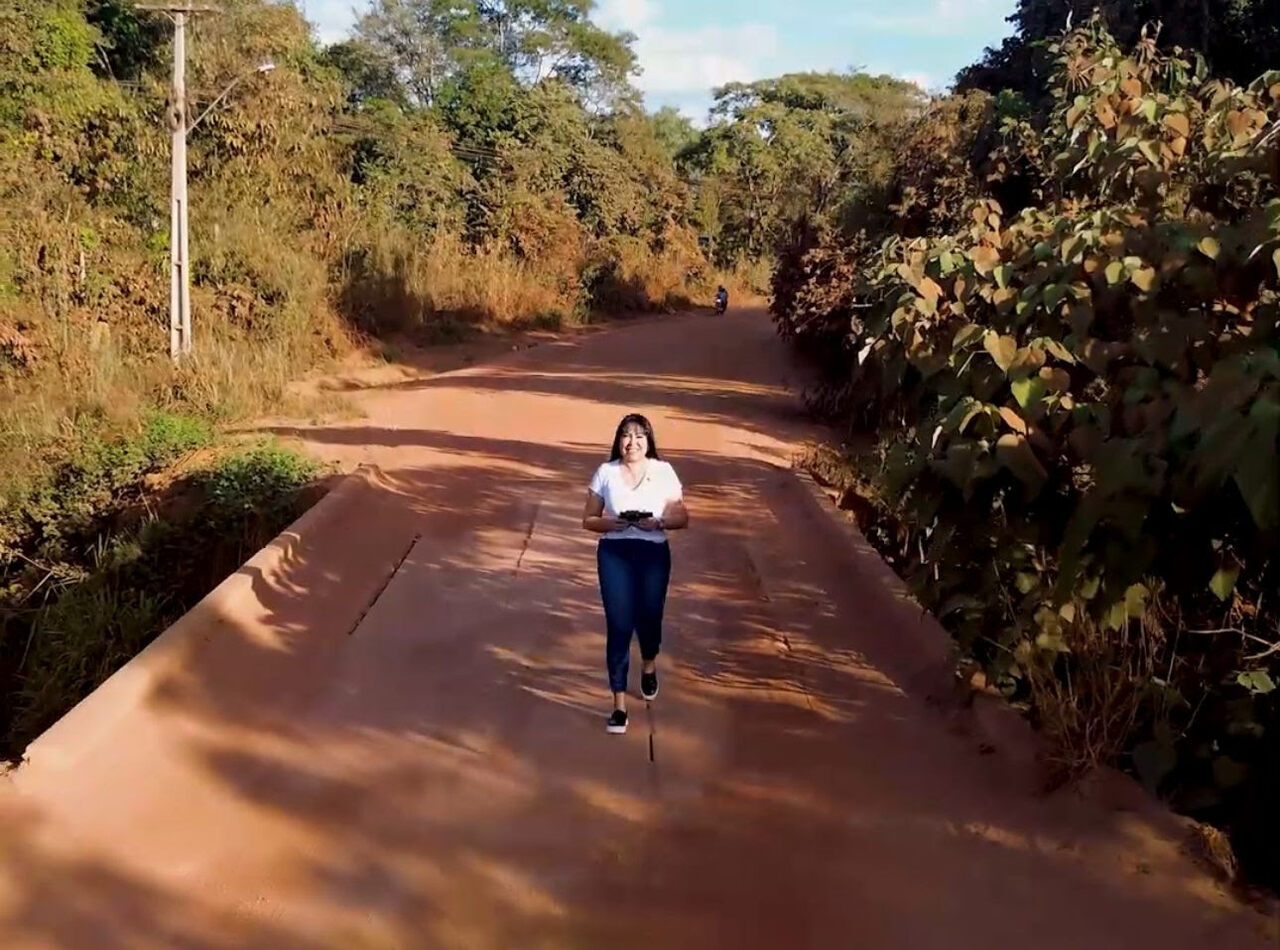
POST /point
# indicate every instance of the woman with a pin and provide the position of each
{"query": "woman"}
(634, 500)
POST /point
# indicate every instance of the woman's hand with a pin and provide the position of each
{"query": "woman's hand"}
(649, 524)
(594, 518)
(603, 524)
(675, 516)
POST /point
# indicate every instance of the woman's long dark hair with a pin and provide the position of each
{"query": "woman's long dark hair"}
(615, 455)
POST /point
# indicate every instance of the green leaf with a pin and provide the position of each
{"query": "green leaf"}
(1257, 472)
(984, 259)
(1052, 641)
(1026, 581)
(1258, 478)
(1210, 247)
(1276, 259)
(1002, 349)
(1116, 616)
(1224, 582)
(970, 333)
(1135, 600)
(1272, 211)
(1028, 390)
(1149, 109)
(1053, 295)
(1002, 275)
(1115, 273)
(961, 413)
(1144, 278)
(1026, 362)
(1015, 454)
(1258, 682)
(1060, 351)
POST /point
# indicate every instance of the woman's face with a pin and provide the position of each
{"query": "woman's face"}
(634, 444)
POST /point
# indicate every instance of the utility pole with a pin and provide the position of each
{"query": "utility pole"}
(179, 269)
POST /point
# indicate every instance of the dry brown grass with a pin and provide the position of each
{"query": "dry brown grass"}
(1088, 701)
(399, 283)
(101, 393)
(748, 283)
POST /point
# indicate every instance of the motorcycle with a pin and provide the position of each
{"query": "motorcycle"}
(722, 303)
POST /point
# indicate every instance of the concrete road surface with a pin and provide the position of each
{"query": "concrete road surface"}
(387, 731)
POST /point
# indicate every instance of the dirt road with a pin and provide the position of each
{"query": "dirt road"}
(387, 730)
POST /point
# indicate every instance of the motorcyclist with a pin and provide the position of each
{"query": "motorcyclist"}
(722, 299)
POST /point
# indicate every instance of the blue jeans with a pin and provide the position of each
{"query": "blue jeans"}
(633, 585)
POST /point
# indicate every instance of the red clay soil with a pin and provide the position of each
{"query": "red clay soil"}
(387, 731)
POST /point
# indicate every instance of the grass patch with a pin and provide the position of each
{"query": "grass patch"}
(119, 586)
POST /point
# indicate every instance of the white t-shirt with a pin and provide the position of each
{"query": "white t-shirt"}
(658, 487)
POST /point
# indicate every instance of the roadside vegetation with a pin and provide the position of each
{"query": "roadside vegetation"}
(451, 167)
(1044, 308)
(1049, 334)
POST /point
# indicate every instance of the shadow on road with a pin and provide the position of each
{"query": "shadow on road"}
(422, 762)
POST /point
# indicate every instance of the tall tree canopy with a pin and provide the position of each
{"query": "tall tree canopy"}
(1240, 39)
(429, 42)
(784, 147)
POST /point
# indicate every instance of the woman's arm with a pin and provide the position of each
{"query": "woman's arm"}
(675, 516)
(594, 518)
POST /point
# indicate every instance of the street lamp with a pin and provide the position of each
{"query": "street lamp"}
(179, 257)
(260, 70)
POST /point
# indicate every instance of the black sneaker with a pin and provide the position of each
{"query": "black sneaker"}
(649, 684)
(617, 723)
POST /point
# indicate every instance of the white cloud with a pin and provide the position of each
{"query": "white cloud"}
(681, 63)
(626, 14)
(699, 59)
(332, 19)
(678, 66)
(923, 80)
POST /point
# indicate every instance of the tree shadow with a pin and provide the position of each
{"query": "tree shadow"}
(402, 743)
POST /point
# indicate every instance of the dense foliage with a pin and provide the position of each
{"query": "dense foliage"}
(783, 147)
(331, 198)
(1238, 38)
(1075, 401)
(450, 164)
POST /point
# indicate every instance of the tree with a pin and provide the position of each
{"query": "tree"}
(1239, 38)
(430, 42)
(786, 147)
(366, 71)
(128, 44)
(424, 40)
(673, 130)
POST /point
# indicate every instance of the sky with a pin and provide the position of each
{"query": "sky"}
(688, 47)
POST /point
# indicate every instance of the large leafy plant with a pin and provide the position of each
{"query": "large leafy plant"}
(1077, 407)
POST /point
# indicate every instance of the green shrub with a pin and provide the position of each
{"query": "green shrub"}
(265, 480)
(1077, 409)
(131, 582)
